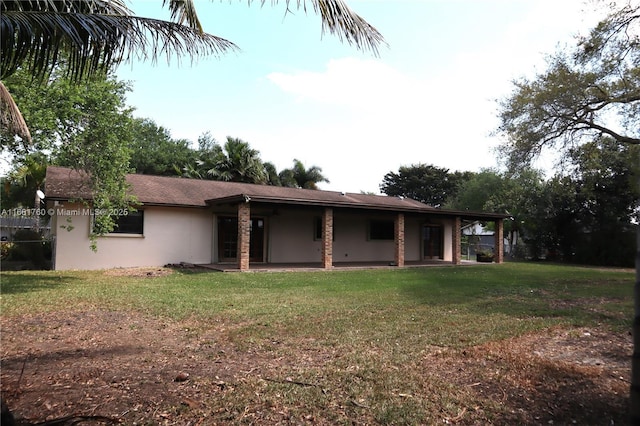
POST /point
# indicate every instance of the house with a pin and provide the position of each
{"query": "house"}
(247, 226)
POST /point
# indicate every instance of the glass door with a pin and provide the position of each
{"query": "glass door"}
(228, 239)
(432, 242)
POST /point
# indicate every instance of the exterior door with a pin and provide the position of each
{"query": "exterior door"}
(432, 242)
(228, 239)
(256, 242)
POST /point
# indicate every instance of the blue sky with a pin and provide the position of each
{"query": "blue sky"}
(291, 92)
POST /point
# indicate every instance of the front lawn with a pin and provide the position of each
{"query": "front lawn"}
(503, 344)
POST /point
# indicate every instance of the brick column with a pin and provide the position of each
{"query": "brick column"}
(498, 250)
(399, 239)
(327, 238)
(456, 248)
(244, 235)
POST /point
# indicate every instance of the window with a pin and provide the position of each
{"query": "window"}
(381, 230)
(317, 229)
(132, 223)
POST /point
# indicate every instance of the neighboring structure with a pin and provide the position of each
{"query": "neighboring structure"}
(10, 224)
(476, 238)
(246, 225)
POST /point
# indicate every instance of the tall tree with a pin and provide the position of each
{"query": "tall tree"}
(100, 145)
(56, 109)
(606, 172)
(423, 182)
(272, 174)
(590, 90)
(82, 126)
(154, 152)
(235, 162)
(240, 163)
(474, 192)
(301, 177)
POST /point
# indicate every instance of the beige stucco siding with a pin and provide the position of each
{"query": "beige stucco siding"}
(413, 239)
(352, 243)
(171, 235)
(291, 237)
(448, 239)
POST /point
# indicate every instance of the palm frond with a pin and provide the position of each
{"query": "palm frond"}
(184, 11)
(11, 120)
(95, 41)
(339, 20)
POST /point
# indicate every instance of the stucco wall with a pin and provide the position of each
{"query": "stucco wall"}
(291, 237)
(413, 239)
(171, 235)
(448, 239)
(353, 245)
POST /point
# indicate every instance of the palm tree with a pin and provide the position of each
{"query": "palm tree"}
(94, 35)
(300, 177)
(240, 164)
(272, 174)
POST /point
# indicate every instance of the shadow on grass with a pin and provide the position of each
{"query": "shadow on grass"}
(16, 283)
(13, 365)
(548, 392)
(545, 296)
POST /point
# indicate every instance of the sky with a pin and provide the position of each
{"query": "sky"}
(429, 97)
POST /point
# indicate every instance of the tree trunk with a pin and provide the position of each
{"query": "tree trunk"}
(36, 215)
(635, 358)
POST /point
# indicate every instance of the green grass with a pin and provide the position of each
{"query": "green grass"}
(368, 334)
(439, 304)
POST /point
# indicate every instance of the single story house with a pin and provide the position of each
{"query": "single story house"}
(245, 226)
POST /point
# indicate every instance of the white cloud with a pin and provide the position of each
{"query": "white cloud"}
(394, 119)
(350, 82)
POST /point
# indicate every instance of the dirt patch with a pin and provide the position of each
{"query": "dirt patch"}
(138, 272)
(560, 376)
(135, 369)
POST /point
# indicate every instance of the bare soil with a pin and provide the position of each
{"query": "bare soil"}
(130, 368)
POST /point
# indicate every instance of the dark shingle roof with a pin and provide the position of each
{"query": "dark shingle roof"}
(64, 184)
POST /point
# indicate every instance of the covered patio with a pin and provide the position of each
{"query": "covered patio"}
(318, 266)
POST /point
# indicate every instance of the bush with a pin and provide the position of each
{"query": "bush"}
(5, 250)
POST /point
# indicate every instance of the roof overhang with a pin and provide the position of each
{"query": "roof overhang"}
(261, 199)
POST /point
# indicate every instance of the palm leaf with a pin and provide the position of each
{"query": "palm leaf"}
(11, 119)
(94, 34)
(339, 20)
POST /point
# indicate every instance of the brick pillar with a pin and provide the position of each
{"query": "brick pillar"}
(498, 250)
(456, 248)
(244, 235)
(327, 238)
(399, 239)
